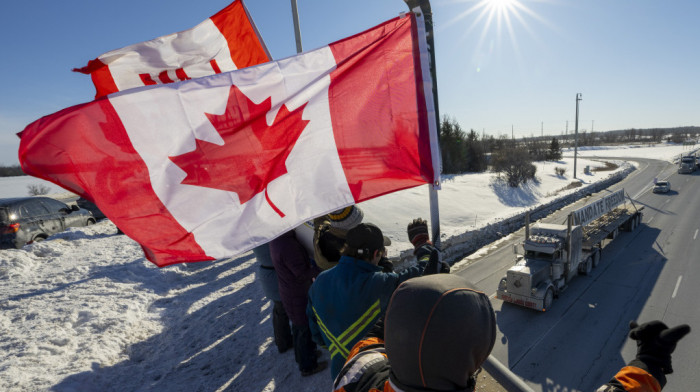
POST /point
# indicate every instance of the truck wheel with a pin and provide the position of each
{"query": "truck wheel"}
(548, 299)
(587, 267)
(596, 258)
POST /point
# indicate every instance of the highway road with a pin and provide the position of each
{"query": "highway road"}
(651, 273)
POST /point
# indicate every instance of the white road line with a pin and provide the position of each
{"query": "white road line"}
(650, 219)
(696, 234)
(675, 291)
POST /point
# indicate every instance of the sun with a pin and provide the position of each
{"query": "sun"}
(501, 5)
(498, 13)
(495, 22)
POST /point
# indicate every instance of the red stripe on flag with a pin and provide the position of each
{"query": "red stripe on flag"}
(110, 172)
(378, 110)
(101, 77)
(215, 66)
(147, 79)
(245, 46)
(164, 78)
(181, 75)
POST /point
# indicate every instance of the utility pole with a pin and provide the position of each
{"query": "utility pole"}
(542, 128)
(578, 98)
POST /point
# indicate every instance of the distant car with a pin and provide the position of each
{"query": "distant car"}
(90, 206)
(28, 219)
(662, 187)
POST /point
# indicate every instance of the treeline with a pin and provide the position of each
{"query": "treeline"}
(469, 152)
(511, 159)
(677, 135)
(11, 171)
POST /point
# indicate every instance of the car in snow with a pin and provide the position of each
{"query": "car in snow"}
(662, 187)
(90, 206)
(25, 220)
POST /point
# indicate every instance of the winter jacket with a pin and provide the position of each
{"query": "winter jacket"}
(368, 369)
(346, 301)
(266, 274)
(632, 378)
(295, 273)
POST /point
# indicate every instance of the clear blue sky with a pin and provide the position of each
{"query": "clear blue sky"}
(636, 62)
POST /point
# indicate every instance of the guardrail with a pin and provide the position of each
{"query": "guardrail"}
(504, 376)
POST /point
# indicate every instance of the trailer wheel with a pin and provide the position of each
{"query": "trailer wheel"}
(548, 299)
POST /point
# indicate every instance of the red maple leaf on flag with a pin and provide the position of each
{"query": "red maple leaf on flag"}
(253, 154)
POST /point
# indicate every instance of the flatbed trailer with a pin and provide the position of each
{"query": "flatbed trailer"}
(554, 254)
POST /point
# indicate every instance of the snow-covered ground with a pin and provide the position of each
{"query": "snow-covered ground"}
(85, 311)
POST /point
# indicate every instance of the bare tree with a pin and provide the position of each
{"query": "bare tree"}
(38, 189)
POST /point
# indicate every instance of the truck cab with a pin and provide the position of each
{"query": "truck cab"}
(544, 266)
(688, 164)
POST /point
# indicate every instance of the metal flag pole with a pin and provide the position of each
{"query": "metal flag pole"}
(578, 98)
(423, 7)
(297, 32)
(495, 368)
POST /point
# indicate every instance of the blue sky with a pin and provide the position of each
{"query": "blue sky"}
(501, 64)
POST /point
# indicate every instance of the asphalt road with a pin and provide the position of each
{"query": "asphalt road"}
(651, 273)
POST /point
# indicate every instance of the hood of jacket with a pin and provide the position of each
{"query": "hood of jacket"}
(438, 332)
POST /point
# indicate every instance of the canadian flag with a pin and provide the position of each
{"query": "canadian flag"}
(225, 42)
(211, 167)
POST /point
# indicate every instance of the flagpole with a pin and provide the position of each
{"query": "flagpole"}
(496, 369)
(297, 32)
(423, 6)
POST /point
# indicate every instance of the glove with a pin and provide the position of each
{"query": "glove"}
(418, 232)
(386, 264)
(435, 266)
(655, 343)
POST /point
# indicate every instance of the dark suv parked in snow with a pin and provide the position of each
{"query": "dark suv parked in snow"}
(27, 219)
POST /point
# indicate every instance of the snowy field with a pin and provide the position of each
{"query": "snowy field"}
(85, 311)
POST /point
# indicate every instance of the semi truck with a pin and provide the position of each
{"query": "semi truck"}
(688, 164)
(551, 255)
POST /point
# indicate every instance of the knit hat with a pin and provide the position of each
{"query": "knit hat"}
(366, 237)
(438, 332)
(346, 218)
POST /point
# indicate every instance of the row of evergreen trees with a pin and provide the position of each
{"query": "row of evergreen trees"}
(11, 171)
(467, 152)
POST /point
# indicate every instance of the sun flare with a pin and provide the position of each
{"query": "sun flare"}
(496, 22)
(500, 4)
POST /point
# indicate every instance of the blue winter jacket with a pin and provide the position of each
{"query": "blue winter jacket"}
(346, 301)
